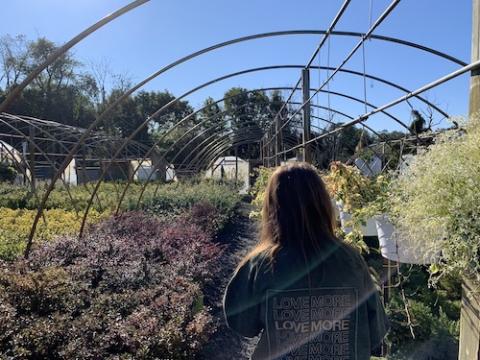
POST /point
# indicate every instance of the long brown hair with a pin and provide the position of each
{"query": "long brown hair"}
(297, 212)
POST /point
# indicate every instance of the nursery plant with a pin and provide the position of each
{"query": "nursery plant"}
(60, 218)
(257, 191)
(437, 202)
(352, 192)
(7, 172)
(15, 225)
(347, 185)
(131, 288)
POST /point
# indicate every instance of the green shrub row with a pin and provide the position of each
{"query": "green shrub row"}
(18, 209)
(131, 288)
(164, 197)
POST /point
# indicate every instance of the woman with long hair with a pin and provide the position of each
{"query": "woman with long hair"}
(308, 294)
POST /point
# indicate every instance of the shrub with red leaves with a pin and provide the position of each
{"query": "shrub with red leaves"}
(130, 288)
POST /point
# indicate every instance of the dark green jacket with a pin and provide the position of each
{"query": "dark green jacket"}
(326, 308)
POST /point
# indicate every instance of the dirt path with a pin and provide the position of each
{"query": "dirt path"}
(238, 238)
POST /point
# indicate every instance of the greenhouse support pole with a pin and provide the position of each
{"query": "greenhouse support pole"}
(306, 114)
(236, 165)
(262, 150)
(31, 153)
(271, 148)
(278, 140)
(265, 151)
(470, 311)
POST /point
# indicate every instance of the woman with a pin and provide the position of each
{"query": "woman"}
(307, 293)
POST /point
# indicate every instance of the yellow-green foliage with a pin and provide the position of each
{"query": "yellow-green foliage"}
(437, 199)
(18, 207)
(258, 189)
(180, 196)
(15, 226)
(346, 184)
(76, 198)
(173, 195)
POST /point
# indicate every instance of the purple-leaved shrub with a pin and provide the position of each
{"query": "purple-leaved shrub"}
(131, 288)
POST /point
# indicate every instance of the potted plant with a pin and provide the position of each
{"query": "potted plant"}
(352, 192)
(393, 244)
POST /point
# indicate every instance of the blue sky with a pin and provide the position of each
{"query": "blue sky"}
(160, 32)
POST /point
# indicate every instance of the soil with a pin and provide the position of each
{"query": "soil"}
(237, 238)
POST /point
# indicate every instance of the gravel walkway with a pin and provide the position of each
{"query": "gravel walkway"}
(238, 238)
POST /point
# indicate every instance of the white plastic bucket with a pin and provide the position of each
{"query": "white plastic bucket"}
(394, 248)
(336, 212)
(370, 229)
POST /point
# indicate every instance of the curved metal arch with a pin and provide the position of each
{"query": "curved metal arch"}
(353, 99)
(250, 91)
(282, 33)
(213, 145)
(386, 82)
(210, 159)
(203, 121)
(222, 123)
(171, 103)
(188, 57)
(210, 142)
(197, 146)
(51, 162)
(37, 124)
(199, 124)
(275, 34)
(156, 113)
(18, 166)
(237, 142)
(247, 126)
(323, 91)
(364, 117)
(219, 145)
(221, 142)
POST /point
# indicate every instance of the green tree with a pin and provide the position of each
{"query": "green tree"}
(212, 116)
(60, 93)
(249, 115)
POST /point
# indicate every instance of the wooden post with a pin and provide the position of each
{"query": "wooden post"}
(470, 313)
(306, 114)
(469, 323)
(474, 108)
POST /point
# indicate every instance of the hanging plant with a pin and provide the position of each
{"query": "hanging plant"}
(347, 185)
(394, 245)
(436, 201)
(352, 191)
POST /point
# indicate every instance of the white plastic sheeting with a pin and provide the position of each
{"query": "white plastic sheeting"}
(231, 168)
